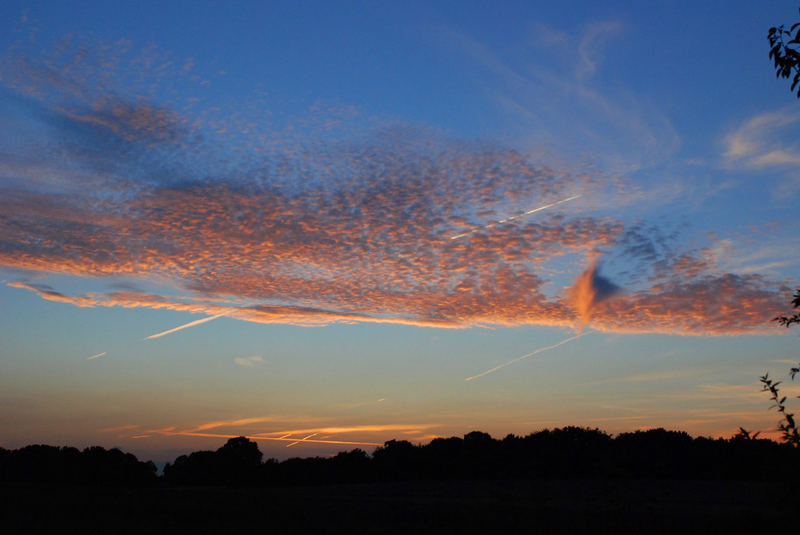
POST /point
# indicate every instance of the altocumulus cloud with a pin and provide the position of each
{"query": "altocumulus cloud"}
(324, 229)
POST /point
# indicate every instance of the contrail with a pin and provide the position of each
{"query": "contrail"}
(529, 212)
(96, 356)
(260, 437)
(532, 353)
(190, 324)
(302, 440)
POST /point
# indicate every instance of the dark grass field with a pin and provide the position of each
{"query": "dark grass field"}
(537, 506)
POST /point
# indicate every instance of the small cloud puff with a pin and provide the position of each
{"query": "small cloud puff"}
(255, 360)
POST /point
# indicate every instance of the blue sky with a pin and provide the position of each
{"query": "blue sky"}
(376, 202)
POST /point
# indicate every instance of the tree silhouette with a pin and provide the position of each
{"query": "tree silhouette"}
(236, 463)
(566, 453)
(396, 459)
(238, 460)
(785, 53)
(787, 424)
(94, 466)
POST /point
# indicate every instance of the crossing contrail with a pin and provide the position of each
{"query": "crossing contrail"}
(523, 357)
(529, 212)
(261, 437)
(302, 440)
(186, 326)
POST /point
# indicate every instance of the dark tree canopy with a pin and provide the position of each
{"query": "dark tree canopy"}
(569, 452)
(94, 466)
(785, 53)
(235, 463)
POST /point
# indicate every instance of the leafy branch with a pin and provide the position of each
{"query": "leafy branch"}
(787, 425)
(787, 321)
(791, 434)
(744, 434)
(786, 54)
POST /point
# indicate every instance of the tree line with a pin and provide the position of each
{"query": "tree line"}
(569, 452)
(94, 466)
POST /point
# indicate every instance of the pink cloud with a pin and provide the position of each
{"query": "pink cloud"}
(333, 229)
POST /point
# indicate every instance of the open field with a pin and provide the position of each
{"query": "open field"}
(535, 506)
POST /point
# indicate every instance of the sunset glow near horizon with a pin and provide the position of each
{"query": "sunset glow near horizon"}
(330, 225)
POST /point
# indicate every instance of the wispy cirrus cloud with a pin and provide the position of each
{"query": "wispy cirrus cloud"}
(763, 141)
(590, 46)
(546, 87)
(331, 228)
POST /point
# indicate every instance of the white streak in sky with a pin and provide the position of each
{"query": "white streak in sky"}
(529, 212)
(532, 353)
(190, 324)
(96, 356)
(302, 440)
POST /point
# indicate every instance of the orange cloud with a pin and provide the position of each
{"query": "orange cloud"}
(589, 291)
(255, 256)
(319, 230)
(275, 439)
(712, 305)
(51, 295)
(293, 435)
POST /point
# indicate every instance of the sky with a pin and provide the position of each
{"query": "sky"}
(327, 225)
